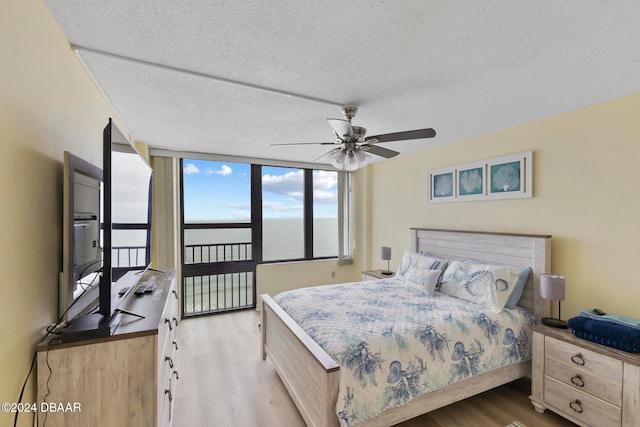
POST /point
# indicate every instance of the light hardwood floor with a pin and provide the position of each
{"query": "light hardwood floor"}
(224, 382)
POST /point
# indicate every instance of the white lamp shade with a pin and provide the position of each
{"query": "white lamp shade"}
(552, 287)
(348, 160)
(385, 253)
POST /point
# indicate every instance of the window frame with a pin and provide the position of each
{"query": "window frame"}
(256, 222)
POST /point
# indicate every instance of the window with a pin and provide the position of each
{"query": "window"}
(325, 213)
(282, 213)
(130, 240)
(218, 260)
(236, 215)
(216, 192)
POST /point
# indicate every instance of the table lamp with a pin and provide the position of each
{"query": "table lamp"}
(552, 288)
(385, 254)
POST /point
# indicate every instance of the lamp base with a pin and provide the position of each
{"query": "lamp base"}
(387, 272)
(554, 323)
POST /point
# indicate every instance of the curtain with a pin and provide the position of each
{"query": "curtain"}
(345, 218)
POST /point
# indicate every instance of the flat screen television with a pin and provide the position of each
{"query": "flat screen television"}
(99, 203)
(127, 211)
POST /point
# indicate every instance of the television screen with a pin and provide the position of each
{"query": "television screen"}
(126, 230)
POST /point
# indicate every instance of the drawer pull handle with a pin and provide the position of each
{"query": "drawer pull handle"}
(576, 405)
(577, 380)
(168, 322)
(176, 374)
(170, 360)
(176, 321)
(175, 344)
(169, 393)
(175, 294)
(578, 359)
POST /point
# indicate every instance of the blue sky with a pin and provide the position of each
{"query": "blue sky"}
(222, 191)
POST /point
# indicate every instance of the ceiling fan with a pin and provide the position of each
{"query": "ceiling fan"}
(354, 148)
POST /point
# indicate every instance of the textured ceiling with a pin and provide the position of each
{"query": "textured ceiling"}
(462, 67)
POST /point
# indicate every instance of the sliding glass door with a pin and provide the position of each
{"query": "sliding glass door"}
(219, 253)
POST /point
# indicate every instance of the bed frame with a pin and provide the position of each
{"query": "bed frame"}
(311, 375)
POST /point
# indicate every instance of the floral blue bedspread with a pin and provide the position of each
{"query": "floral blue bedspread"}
(394, 342)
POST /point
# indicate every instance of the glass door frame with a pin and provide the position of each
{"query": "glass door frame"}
(190, 270)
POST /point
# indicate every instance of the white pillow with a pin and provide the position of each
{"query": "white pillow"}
(483, 284)
(412, 259)
(425, 280)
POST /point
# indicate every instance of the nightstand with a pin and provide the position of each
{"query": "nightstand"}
(587, 383)
(376, 274)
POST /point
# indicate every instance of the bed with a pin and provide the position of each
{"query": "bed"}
(312, 376)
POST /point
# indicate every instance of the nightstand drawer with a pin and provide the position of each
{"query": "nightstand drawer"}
(583, 359)
(585, 380)
(583, 407)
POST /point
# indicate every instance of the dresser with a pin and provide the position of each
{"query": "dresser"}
(126, 379)
(587, 383)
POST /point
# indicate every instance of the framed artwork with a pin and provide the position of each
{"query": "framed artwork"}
(507, 177)
(510, 176)
(442, 185)
(471, 181)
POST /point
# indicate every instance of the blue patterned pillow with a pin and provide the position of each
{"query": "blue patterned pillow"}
(484, 284)
(518, 287)
(442, 266)
(412, 259)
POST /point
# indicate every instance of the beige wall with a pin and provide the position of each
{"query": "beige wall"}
(48, 104)
(278, 277)
(586, 195)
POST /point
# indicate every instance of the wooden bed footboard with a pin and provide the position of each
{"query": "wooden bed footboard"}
(307, 371)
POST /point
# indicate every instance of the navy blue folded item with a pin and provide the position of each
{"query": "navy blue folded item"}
(608, 330)
(620, 345)
(614, 318)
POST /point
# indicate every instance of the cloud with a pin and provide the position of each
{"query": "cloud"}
(224, 170)
(190, 168)
(324, 180)
(289, 184)
(322, 196)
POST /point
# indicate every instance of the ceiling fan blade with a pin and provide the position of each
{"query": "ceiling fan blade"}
(402, 136)
(341, 127)
(304, 143)
(379, 151)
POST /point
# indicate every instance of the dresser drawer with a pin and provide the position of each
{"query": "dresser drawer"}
(583, 359)
(581, 406)
(585, 380)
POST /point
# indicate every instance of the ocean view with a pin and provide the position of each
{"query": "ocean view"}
(282, 238)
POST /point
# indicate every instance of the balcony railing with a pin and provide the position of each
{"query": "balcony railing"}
(216, 293)
(128, 256)
(217, 252)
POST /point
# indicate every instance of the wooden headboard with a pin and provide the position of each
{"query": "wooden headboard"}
(523, 250)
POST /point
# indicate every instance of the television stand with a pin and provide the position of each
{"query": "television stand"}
(86, 327)
(125, 379)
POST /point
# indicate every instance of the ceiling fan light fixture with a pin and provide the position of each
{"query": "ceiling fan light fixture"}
(354, 159)
(337, 158)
